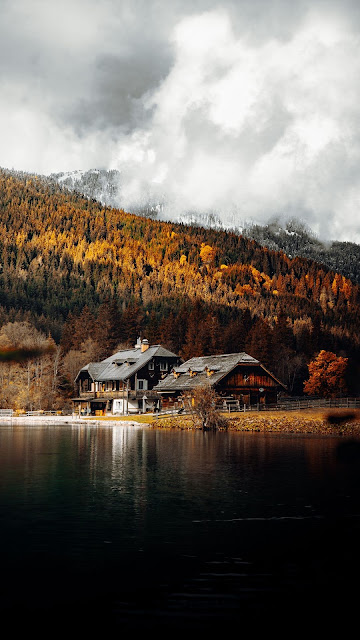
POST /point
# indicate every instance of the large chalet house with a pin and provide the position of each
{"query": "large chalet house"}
(124, 382)
(236, 377)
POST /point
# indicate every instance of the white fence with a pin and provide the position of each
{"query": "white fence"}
(41, 413)
(10, 413)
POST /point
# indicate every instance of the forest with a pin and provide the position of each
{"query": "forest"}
(89, 278)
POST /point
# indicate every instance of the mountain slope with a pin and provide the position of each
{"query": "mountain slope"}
(98, 184)
(294, 238)
(79, 270)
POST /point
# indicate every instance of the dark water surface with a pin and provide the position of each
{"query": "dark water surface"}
(137, 529)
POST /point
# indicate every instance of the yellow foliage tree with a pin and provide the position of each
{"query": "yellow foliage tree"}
(207, 253)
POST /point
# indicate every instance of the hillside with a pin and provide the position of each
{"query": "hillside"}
(86, 272)
(98, 184)
(293, 238)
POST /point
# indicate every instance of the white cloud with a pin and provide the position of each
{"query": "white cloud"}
(252, 129)
(251, 110)
(34, 142)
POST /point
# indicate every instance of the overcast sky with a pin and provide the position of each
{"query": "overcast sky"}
(249, 108)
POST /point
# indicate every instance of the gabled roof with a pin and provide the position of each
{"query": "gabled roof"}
(124, 364)
(220, 365)
(94, 369)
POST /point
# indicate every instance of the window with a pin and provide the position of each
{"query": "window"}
(163, 366)
(117, 406)
(151, 365)
(142, 385)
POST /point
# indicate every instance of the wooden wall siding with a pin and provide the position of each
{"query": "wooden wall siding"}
(245, 396)
(236, 380)
(249, 398)
(110, 387)
(169, 402)
(102, 387)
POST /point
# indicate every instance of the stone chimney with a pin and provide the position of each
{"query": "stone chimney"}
(138, 343)
(144, 345)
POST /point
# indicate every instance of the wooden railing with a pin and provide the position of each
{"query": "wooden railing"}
(230, 406)
(290, 404)
(313, 403)
(39, 412)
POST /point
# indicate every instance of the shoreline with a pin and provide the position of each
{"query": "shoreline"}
(307, 421)
(67, 420)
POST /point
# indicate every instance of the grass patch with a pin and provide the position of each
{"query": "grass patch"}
(314, 421)
(143, 419)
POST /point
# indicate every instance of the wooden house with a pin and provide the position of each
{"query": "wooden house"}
(236, 377)
(124, 382)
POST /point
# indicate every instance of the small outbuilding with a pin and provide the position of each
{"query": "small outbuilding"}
(236, 377)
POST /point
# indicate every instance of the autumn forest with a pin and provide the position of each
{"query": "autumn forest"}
(87, 278)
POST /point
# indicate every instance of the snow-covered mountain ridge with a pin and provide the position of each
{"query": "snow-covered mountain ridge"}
(296, 239)
(292, 237)
(99, 184)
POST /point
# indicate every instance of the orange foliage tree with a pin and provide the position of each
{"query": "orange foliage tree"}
(326, 375)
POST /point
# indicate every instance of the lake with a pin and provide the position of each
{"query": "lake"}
(132, 528)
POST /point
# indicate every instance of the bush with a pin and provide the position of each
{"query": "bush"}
(202, 406)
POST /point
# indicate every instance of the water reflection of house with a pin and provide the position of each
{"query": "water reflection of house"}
(123, 383)
(235, 377)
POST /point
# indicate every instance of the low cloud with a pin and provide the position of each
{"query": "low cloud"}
(249, 110)
(255, 131)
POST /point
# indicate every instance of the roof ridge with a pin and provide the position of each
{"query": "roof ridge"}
(222, 355)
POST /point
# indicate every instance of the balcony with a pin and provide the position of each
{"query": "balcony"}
(133, 395)
(88, 395)
(149, 393)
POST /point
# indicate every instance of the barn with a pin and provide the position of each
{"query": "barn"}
(236, 377)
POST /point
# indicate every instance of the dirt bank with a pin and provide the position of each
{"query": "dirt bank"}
(321, 421)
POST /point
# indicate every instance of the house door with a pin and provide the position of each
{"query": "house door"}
(98, 408)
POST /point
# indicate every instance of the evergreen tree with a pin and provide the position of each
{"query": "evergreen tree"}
(109, 318)
(132, 322)
(259, 342)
